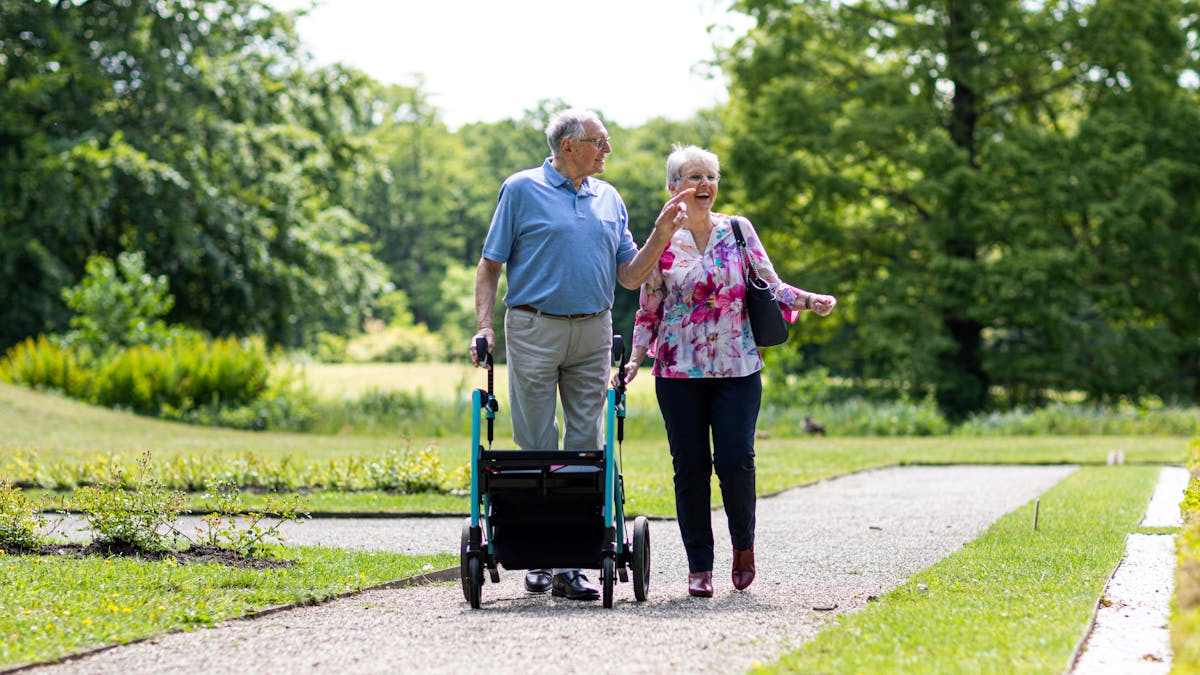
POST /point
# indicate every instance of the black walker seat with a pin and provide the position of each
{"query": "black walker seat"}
(541, 509)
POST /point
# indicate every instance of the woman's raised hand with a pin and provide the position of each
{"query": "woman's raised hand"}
(674, 213)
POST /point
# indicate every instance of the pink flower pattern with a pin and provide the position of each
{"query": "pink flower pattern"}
(692, 317)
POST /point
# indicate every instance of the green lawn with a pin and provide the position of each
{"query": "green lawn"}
(59, 429)
(1013, 600)
(52, 606)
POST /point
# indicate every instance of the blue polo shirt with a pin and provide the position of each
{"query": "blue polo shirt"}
(562, 246)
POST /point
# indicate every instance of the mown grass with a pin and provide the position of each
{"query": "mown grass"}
(783, 464)
(1013, 600)
(1185, 607)
(57, 429)
(51, 606)
(55, 426)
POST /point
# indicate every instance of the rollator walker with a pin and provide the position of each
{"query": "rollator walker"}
(542, 509)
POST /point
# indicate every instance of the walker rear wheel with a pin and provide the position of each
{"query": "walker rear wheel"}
(475, 568)
(607, 577)
(464, 571)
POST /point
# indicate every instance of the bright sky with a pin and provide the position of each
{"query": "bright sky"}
(485, 61)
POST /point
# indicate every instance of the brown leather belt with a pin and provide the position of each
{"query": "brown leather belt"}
(534, 310)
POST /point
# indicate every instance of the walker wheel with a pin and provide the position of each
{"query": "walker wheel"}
(464, 572)
(475, 568)
(607, 574)
(641, 558)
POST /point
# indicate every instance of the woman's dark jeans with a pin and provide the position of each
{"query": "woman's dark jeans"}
(728, 408)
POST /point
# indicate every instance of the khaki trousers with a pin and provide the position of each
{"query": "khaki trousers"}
(569, 356)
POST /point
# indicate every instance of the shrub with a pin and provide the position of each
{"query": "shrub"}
(1083, 420)
(43, 364)
(20, 522)
(330, 348)
(857, 417)
(404, 344)
(190, 372)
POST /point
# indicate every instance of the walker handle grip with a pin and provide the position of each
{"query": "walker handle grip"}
(481, 351)
(618, 349)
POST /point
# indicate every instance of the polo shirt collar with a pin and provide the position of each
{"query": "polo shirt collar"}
(553, 177)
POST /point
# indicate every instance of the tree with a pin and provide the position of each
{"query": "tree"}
(984, 182)
(193, 131)
(118, 305)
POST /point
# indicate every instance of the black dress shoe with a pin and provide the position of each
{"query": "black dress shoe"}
(537, 581)
(574, 585)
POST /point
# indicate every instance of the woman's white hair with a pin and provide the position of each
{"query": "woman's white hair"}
(567, 124)
(686, 154)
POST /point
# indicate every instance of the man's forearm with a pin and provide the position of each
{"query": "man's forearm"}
(487, 278)
(633, 273)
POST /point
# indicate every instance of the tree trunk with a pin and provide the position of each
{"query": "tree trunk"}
(963, 386)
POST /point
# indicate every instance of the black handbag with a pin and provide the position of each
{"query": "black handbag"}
(766, 317)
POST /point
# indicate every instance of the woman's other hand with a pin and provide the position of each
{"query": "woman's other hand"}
(822, 305)
(631, 371)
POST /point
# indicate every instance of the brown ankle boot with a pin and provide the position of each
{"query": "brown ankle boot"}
(700, 584)
(743, 568)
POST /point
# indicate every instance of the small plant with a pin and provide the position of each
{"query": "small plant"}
(20, 522)
(248, 534)
(141, 518)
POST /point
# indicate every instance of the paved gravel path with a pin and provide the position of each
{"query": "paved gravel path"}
(836, 542)
(1163, 510)
(1131, 634)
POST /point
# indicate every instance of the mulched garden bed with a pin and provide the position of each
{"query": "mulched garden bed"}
(194, 554)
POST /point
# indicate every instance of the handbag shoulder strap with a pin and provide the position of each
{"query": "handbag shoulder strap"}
(735, 222)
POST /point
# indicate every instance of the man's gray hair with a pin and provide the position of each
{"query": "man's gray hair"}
(567, 124)
(686, 154)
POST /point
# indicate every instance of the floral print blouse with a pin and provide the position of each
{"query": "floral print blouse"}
(692, 319)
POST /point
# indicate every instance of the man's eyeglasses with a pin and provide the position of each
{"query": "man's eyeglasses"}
(695, 178)
(600, 143)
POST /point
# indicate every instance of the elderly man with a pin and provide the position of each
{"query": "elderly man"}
(565, 239)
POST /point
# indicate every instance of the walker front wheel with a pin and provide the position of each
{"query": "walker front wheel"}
(641, 558)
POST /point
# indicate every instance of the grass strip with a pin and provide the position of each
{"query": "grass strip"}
(52, 606)
(782, 464)
(1013, 600)
(1185, 607)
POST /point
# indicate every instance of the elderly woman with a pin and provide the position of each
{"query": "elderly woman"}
(693, 321)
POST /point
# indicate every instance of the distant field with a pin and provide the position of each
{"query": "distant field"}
(445, 381)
